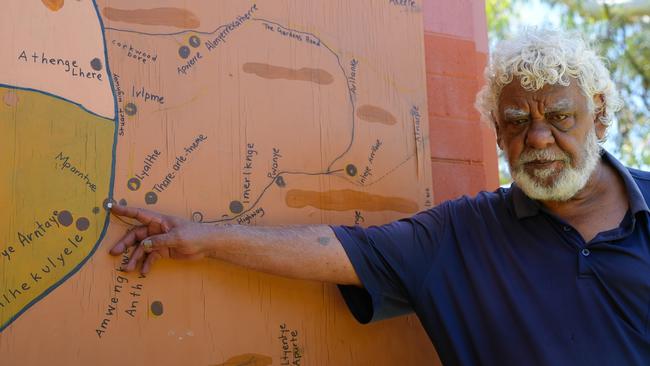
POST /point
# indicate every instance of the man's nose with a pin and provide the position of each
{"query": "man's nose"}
(539, 135)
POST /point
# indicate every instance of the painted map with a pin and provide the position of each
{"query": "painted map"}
(255, 113)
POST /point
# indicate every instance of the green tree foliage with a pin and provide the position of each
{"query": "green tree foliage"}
(624, 39)
(498, 13)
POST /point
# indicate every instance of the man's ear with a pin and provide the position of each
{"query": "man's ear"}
(599, 115)
(497, 130)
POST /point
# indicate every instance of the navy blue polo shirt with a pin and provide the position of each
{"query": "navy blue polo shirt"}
(498, 280)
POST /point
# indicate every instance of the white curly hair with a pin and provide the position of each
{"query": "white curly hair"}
(546, 56)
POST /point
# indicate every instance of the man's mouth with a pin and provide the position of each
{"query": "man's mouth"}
(542, 164)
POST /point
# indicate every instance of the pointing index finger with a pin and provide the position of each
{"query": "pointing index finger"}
(144, 216)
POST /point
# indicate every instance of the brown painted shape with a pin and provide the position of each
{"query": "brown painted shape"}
(53, 5)
(318, 76)
(173, 17)
(347, 199)
(248, 359)
(371, 113)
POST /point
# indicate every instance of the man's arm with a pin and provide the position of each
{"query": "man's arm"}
(310, 252)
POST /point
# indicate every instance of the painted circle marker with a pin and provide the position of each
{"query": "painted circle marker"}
(351, 170)
(157, 308)
(236, 207)
(197, 216)
(122, 202)
(130, 109)
(106, 202)
(133, 184)
(96, 64)
(82, 224)
(195, 41)
(184, 52)
(151, 198)
(65, 218)
(279, 180)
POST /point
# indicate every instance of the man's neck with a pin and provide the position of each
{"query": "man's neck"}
(599, 206)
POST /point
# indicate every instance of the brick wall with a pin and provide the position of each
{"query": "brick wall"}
(463, 149)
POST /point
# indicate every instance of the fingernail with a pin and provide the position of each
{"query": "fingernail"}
(147, 245)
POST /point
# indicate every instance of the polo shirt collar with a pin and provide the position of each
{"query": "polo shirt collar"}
(637, 201)
(527, 207)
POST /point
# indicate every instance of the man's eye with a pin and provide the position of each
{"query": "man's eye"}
(519, 122)
(559, 117)
(561, 121)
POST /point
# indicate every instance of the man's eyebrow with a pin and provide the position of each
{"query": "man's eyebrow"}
(512, 113)
(560, 105)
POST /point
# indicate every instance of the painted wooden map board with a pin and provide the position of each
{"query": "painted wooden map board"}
(256, 113)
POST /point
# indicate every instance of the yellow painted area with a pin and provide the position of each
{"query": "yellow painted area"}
(37, 183)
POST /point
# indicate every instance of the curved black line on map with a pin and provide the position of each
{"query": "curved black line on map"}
(338, 60)
(254, 204)
(110, 188)
(347, 83)
(166, 34)
(378, 179)
(328, 171)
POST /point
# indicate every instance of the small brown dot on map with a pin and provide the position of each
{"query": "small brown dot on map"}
(130, 109)
(95, 210)
(96, 64)
(195, 41)
(151, 198)
(65, 218)
(236, 207)
(157, 308)
(351, 170)
(184, 52)
(82, 224)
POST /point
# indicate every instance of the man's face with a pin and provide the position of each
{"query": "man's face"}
(550, 139)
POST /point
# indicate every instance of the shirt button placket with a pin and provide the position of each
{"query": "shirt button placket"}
(584, 269)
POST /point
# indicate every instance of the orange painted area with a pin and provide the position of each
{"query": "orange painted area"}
(347, 199)
(267, 71)
(371, 113)
(248, 359)
(173, 17)
(53, 5)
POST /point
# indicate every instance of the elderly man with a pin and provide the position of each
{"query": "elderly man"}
(554, 270)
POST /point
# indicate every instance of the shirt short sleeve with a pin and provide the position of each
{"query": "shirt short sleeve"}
(391, 261)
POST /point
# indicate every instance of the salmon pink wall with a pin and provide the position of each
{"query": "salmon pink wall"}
(463, 149)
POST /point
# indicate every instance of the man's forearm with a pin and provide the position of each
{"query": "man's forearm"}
(309, 252)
